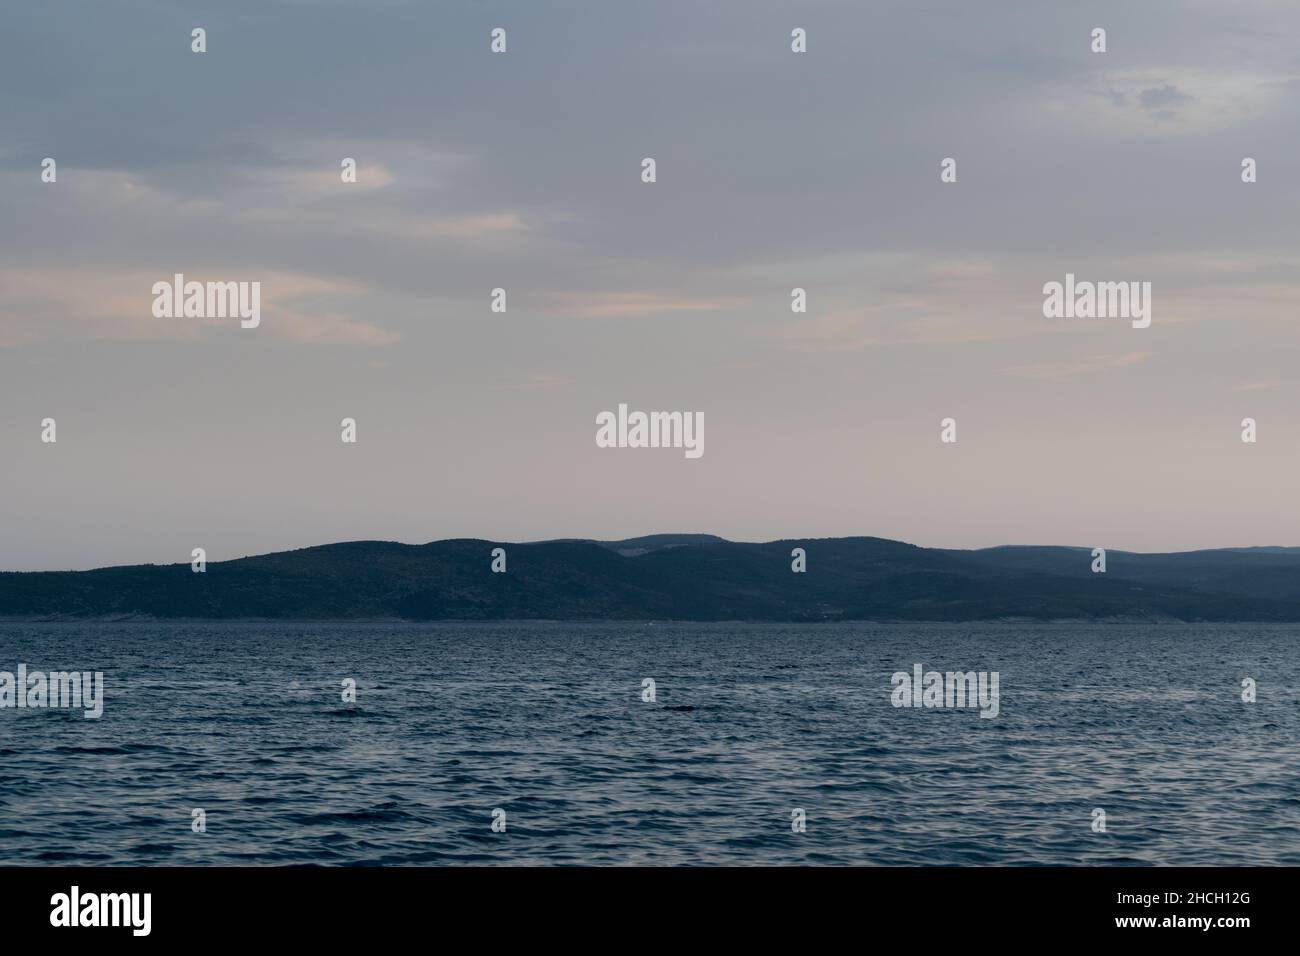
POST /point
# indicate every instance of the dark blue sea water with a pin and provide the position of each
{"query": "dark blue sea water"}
(546, 722)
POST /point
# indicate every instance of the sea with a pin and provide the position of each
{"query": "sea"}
(653, 743)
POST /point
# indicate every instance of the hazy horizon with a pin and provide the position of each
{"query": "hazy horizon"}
(522, 171)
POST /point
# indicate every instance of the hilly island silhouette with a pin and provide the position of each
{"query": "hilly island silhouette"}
(685, 577)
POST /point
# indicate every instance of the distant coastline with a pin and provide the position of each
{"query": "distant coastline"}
(678, 578)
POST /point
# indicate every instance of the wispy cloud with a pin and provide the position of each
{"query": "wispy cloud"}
(537, 380)
(1189, 99)
(1071, 368)
(597, 305)
(72, 302)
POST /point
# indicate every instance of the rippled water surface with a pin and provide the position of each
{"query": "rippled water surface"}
(546, 721)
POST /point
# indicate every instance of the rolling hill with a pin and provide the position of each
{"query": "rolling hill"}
(678, 577)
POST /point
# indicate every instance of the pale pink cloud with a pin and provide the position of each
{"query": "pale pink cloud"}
(596, 305)
(98, 304)
(1046, 371)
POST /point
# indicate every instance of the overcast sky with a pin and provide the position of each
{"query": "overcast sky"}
(523, 171)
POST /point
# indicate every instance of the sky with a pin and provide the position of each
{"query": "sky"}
(522, 170)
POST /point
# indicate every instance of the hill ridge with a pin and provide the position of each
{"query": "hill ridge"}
(677, 577)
